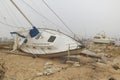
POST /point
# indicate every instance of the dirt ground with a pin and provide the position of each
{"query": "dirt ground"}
(23, 67)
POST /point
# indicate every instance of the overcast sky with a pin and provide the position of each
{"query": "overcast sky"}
(84, 17)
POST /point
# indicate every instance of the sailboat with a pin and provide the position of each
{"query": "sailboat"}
(43, 41)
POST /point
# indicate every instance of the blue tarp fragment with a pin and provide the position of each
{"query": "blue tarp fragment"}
(34, 32)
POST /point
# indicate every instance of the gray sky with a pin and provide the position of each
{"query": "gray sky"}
(84, 17)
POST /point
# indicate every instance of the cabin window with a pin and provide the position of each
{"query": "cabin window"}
(52, 39)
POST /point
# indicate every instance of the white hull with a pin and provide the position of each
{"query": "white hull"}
(102, 41)
(48, 42)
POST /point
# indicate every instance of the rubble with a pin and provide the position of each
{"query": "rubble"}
(50, 68)
(76, 64)
(90, 53)
(48, 65)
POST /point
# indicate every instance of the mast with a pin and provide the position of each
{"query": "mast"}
(22, 13)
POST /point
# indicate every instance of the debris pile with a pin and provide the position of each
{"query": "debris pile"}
(50, 68)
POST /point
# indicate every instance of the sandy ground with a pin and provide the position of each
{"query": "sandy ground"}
(21, 67)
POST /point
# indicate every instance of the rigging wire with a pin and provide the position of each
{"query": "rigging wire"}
(38, 13)
(8, 24)
(14, 15)
(1, 13)
(74, 35)
(58, 17)
(8, 12)
(22, 13)
(57, 27)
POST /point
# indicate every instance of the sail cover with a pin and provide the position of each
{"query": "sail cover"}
(33, 32)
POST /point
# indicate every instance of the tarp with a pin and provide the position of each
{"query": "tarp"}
(33, 32)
